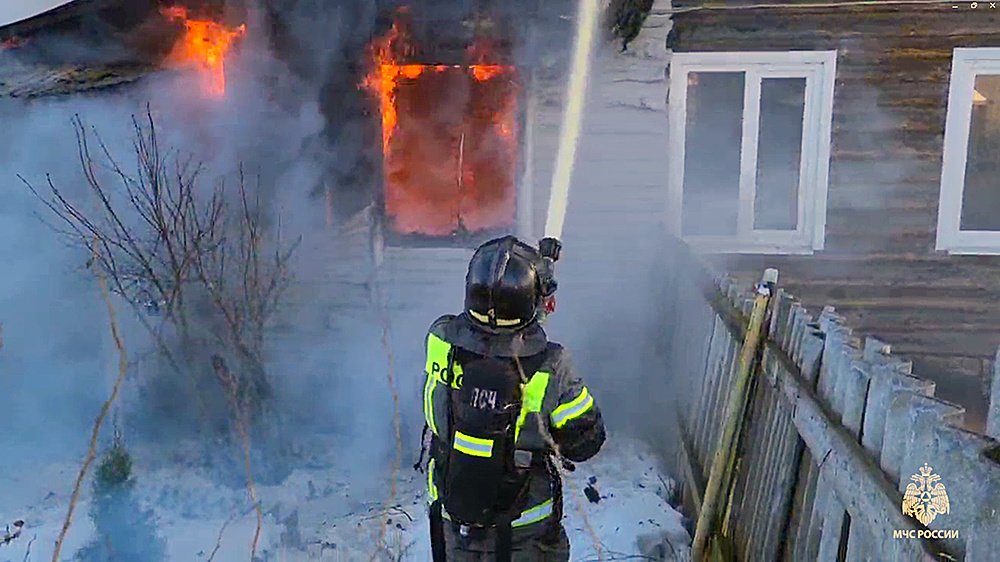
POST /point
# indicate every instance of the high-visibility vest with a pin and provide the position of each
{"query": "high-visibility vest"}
(439, 379)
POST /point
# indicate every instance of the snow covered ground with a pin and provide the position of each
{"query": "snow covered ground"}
(317, 514)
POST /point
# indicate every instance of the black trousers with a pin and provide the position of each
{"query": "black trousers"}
(552, 546)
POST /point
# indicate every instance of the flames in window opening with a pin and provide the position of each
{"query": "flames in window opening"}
(449, 137)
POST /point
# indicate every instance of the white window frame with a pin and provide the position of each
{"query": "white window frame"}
(819, 70)
(966, 64)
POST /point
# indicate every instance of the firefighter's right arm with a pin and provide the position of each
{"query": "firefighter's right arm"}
(576, 422)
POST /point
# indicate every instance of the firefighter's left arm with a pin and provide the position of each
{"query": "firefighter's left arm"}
(577, 426)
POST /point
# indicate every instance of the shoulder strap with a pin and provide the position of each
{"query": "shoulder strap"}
(532, 363)
(449, 389)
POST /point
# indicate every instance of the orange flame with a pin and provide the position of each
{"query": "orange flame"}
(385, 75)
(12, 43)
(205, 45)
(448, 164)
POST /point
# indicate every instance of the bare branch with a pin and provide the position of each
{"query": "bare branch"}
(27, 550)
(231, 384)
(218, 540)
(383, 306)
(92, 447)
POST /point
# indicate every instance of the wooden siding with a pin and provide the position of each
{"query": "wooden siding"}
(880, 267)
(619, 178)
(616, 204)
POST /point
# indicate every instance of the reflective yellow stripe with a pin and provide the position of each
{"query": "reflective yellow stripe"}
(429, 386)
(436, 369)
(432, 491)
(500, 321)
(528, 517)
(437, 361)
(572, 410)
(456, 383)
(534, 514)
(474, 446)
(532, 395)
(437, 352)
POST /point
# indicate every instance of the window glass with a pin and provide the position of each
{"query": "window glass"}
(981, 193)
(779, 153)
(714, 130)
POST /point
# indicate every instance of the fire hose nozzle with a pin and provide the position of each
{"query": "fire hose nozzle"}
(550, 248)
(770, 276)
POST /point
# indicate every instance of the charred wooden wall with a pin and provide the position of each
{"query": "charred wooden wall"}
(880, 267)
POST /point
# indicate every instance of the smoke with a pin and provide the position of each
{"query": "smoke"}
(52, 355)
(57, 360)
(296, 123)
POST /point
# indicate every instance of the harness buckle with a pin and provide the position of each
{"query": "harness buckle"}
(523, 458)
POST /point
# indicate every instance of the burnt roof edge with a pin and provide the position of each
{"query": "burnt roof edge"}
(56, 15)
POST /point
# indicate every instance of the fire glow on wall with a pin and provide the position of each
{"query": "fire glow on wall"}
(449, 137)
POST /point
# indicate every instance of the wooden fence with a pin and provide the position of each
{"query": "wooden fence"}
(834, 429)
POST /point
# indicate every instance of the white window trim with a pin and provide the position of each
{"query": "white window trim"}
(819, 69)
(966, 64)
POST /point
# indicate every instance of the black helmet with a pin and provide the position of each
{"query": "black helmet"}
(503, 288)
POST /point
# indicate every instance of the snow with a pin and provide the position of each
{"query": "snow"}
(323, 514)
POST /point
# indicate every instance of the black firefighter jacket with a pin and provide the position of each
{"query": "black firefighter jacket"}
(565, 407)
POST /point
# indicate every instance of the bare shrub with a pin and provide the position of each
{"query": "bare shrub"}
(200, 263)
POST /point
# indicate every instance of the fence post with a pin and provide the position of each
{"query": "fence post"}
(968, 462)
(897, 421)
(927, 414)
(796, 474)
(828, 513)
(714, 494)
(860, 543)
(993, 420)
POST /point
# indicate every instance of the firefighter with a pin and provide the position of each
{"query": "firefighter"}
(504, 409)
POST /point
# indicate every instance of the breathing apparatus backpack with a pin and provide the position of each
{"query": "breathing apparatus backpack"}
(483, 478)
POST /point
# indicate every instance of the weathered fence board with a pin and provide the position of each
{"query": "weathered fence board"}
(993, 419)
(834, 430)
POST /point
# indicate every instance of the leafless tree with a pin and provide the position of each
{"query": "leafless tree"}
(239, 402)
(196, 259)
